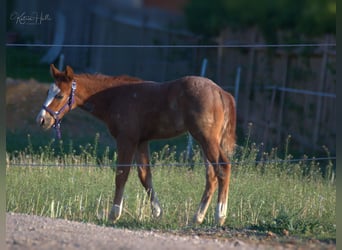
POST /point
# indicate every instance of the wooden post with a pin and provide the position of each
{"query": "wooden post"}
(319, 98)
(249, 80)
(270, 111)
(237, 85)
(282, 100)
(219, 58)
(61, 62)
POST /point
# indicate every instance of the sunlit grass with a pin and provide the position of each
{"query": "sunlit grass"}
(273, 194)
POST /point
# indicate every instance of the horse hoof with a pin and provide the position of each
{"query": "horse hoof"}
(115, 213)
(220, 220)
(156, 210)
(157, 213)
(198, 219)
(221, 213)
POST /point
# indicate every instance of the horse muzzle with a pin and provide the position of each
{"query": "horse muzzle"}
(44, 121)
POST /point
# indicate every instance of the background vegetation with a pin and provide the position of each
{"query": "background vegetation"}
(238, 22)
(295, 18)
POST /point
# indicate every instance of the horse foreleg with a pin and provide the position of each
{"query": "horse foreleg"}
(210, 187)
(125, 157)
(145, 176)
(120, 181)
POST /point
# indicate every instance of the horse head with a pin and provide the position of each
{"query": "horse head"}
(60, 98)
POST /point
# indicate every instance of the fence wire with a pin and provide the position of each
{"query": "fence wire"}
(172, 45)
(183, 164)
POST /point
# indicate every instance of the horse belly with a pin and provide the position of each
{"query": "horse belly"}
(168, 126)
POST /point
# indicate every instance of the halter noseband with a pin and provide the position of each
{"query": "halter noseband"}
(55, 114)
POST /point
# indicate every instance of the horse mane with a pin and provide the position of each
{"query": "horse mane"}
(120, 78)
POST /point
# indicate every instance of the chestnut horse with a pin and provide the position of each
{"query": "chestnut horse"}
(137, 111)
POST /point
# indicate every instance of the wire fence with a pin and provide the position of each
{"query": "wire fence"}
(183, 164)
(295, 45)
(272, 121)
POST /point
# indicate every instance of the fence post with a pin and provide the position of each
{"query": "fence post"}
(204, 66)
(61, 62)
(249, 78)
(268, 119)
(282, 99)
(237, 86)
(321, 87)
(219, 57)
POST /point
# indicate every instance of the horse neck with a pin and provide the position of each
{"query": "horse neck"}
(89, 85)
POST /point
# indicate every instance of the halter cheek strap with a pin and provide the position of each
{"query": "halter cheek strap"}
(55, 114)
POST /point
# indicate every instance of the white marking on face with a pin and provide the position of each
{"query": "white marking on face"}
(53, 91)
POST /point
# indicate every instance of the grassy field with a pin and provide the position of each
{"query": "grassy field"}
(275, 194)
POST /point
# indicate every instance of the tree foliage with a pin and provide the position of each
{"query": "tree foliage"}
(307, 17)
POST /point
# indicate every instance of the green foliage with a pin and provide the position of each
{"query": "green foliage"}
(273, 194)
(206, 17)
(24, 63)
(308, 17)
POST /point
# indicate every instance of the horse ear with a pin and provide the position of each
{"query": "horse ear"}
(54, 71)
(69, 73)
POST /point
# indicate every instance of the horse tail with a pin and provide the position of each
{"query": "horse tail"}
(228, 134)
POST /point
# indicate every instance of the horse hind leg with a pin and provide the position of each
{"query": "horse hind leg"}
(145, 176)
(218, 174)
(210, 150)
(210, 187)
(223, 173)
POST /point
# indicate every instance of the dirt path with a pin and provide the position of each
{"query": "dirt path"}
(34, 232)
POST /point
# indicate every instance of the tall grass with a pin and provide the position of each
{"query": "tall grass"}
(271, 194)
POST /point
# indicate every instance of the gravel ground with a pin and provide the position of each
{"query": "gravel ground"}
(35, 232)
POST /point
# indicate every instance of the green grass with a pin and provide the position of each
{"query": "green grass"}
(267, 196)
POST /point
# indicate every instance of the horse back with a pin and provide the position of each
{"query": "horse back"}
(150, 110)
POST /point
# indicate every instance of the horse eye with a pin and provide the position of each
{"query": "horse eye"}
(59, 96)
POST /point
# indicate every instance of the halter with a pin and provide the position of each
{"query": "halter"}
(55, 114)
